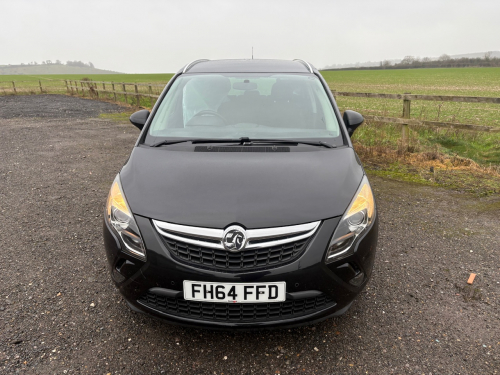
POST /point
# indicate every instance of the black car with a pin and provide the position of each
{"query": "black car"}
(243, 203)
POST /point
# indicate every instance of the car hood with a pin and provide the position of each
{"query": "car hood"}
(253, 189)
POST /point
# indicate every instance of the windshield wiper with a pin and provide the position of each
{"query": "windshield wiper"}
(194, 141)
(245, 141)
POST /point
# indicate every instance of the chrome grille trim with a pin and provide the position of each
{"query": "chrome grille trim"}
(212, 238)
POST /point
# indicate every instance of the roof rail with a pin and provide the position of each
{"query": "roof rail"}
(192, 63)
(305, 63)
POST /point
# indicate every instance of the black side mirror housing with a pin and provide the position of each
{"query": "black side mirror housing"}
(352, 120)
(139, 118)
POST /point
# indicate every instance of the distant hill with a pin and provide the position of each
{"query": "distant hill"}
(492, 54)
(51, 69)
(369, 64)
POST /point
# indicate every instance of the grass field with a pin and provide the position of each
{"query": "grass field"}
(483, 148)
(459, 81)
(54, 83)
(449, 81)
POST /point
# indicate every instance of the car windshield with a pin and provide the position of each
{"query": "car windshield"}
(253, 105)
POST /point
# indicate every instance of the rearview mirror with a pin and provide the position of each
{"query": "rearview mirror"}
(352, 120)
(139, 118)
(246, 86)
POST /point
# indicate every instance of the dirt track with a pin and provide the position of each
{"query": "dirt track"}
(60, 313)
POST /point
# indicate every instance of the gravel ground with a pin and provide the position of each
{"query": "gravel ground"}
(53, 106)
(60, 313)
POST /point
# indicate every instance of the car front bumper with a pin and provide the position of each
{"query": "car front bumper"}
(315, 290)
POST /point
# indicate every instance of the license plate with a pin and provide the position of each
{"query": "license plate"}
(235, 293)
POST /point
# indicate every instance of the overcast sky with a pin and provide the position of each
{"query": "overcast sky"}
(151, 36)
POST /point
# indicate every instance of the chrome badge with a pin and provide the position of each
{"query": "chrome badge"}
(234, 238)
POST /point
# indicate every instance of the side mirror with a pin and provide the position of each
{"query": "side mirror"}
(352, 120)
(139, 118)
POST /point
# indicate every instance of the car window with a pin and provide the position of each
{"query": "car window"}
(250, 105)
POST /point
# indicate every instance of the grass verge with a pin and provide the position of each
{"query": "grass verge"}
(117, 117)
(432, 169)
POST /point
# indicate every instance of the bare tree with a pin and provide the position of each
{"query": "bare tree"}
(444, 57)
(408, 60)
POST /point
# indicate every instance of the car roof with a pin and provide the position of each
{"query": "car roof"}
(248, 66)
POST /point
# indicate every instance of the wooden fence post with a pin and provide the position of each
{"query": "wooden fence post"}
(104, 89)
(95, 88)
(67, 88)
(151, 97)
(83, 88)
(76, 88)
(114, 92)
(137, 96)
(405, 131)
(40, 84)
(124, 90)
(14, 87)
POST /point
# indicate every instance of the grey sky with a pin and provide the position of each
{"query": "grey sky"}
(161, 36)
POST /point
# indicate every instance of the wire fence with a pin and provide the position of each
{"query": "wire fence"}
(135, 94)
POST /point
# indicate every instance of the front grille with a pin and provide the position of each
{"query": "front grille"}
(242, 312)
(222, 259)
(264, 247)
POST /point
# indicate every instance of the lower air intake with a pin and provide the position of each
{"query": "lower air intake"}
(237, 313)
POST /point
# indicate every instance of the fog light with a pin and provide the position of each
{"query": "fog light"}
(358, 279)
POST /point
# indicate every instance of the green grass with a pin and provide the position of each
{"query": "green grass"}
(482, 147)
(475, 182)
(117, 117)
(401, 172)
(449, 81)
(54, 84)
(452, 81)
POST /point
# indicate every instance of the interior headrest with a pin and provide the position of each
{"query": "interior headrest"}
(282, 90)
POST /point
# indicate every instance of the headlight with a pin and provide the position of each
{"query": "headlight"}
(358, 217)
(120, 218)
